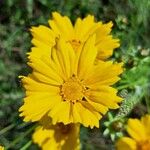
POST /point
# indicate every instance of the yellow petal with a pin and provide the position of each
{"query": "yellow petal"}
(93, 116)
(42, 68)
(40, 135)
(106, 47)
(38, 52)
(98, 107)
(55, 138)
(36, 106)
(61, 25)
(105, 42)
(126, 143)
(51, 144)
(146, 122)
(42, 48)
(43, 34)
(66, 56)
(103, 30)
(64, 116)
(56, 63)
(104, 98)
(32, 85)
(87, 58)
(103, 89)
(136, 129)
(85, 28)
(75, 114)
(104, 73)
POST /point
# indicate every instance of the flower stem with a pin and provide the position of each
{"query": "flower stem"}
(4, 130)
(20, 138)
(26, 145)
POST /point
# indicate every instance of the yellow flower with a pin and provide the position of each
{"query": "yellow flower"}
(69, 86)
(1, 148)
(44, 37)
(139, 131)
(58, 137)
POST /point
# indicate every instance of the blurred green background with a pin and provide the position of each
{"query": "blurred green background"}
(131, 20)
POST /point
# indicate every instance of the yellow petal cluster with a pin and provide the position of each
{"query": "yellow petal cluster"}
(70, 83)
(139, 132)
(58, 137)
(77, 34)
(69, 86)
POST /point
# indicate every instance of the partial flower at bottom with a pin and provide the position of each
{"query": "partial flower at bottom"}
(76, 35)
(139, 132)
(69, 86)
(58, 137)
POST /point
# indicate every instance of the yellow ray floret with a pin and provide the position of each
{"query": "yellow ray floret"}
(58, 137)
(139, 131)
(70, 87)
(44, 37)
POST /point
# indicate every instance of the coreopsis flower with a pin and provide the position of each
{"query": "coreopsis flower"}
(58, 137)
(69, 86)
(44, 37)
(139, 132)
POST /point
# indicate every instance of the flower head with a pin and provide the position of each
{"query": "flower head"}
(44, 37)
(58, 137)
(70, 86)
(139, 131)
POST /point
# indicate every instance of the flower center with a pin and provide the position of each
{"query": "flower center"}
(72, 90)
(144, 145)
(75, 44)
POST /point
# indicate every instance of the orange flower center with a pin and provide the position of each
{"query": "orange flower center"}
(75, 44)
(144, 145)
(73, 90)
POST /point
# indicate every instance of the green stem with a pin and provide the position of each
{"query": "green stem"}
(4, 130)
(147, 97)
(26, 145)
(147, 100)
(20, 138)
(123, 86)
